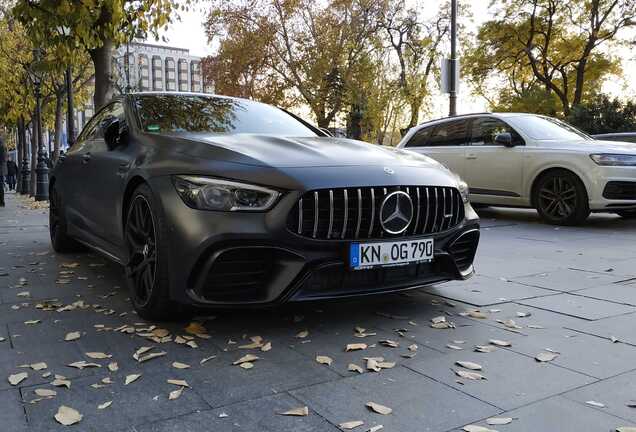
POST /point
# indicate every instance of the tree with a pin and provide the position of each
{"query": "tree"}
(604, 115)
(310, 48)
(96, 27)
(416, 45)
(549, 45)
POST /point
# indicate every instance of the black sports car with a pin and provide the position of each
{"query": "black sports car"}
(219, 201)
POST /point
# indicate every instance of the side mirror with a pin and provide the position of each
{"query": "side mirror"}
(504, 138)
(113, 132)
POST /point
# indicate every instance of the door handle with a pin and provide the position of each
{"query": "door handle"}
(86, 158)
(471, 156)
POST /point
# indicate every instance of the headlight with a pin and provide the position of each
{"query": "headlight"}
(205, 193)
(463, 189)
(605, 159)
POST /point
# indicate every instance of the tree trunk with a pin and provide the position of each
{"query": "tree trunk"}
(57, 138)
(415, 113)
(102, 61)
(20, 152)
(34, 157)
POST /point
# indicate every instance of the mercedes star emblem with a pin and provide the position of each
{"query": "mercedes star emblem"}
(396, 212)
(388, 171)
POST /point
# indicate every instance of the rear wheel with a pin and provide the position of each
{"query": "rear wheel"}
(60, 240)
(561, 199)
(627, 214)
(146, 270)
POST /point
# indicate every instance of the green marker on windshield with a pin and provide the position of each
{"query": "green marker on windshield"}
(153, 128)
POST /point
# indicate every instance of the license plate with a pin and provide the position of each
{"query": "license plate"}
(366, 255)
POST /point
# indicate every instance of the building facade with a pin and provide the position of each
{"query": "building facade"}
(148, 67)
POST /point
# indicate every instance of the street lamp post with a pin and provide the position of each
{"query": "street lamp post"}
(70, 117)
(452, 99)
(41, 170)
(25, 184)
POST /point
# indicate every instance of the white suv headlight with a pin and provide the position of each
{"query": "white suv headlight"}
(606, 159)
(205, 193)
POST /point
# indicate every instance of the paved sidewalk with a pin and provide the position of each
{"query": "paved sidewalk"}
(569, 293)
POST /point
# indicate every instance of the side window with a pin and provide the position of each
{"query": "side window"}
(454, 133)
(487, 128)
(419, 138)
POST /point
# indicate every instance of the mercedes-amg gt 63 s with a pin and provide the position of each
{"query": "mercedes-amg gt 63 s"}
(218, 201)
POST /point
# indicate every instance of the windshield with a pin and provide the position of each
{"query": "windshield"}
(546, 128)
(198, 113)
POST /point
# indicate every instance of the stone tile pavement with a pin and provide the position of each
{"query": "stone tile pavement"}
(540, 288)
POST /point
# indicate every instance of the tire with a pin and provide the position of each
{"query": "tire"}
(561, 199)
(60, 240)
(627, 214)
(147, 273)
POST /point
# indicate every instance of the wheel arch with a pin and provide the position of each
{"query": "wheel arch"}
(133, 184)
(548, 170)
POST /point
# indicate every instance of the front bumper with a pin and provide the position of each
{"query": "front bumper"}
(232, 259)
(612, 189)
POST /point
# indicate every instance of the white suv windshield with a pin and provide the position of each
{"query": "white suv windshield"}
(546, 128)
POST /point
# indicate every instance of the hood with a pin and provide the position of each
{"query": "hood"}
(595, 146)
(288, 152)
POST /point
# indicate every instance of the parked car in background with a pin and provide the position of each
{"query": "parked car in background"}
(629, 137)
(526, 160)
(220, 201)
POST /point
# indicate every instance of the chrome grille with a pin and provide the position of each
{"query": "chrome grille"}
(353, 213)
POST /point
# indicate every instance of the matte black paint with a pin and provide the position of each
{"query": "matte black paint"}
(94, 186)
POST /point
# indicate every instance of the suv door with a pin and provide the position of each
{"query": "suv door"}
(445, 142)
(494, 171)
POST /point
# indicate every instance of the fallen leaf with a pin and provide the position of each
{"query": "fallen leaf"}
(375, 428)
(631, 404)
(626, 429)
(72, 336)
(38, 366)
(510, 324)
(469, 375)
(356, 347)
(324, 360)
(113, 366)
(468, 365)
(475, 428)
(246, 365)
(104, 405)
(248, 358)
(443, 325)
(301, 411)
(390, 343)
(595, 404)
(500, 343)
(18, 378)
(98, 355)
(477, 314)
(175, 394)
(350, 424)
(61, 382)
(179, 365)
(485, 348)
(454, 347)
(546, 356)
(380, 409)
(207, 359)
(499, 420)
(177, 382)
(373, 364)
(303, 334)
(131, 378)
(266, 347)
(523, 314)
(355, 368)
(83, 364)
(45, 392)
(32, 322)
(438, 319)
(67, 416)
(196, 329)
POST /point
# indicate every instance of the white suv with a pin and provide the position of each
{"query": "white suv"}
(527, 160)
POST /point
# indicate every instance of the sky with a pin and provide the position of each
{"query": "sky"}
(189, 33)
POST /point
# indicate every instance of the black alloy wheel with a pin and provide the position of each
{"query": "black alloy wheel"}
(141, 240)
(561, 199)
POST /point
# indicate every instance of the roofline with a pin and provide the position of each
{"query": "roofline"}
(459, 116)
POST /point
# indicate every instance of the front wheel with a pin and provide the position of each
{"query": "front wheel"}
(147, 270)
(561, 199)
